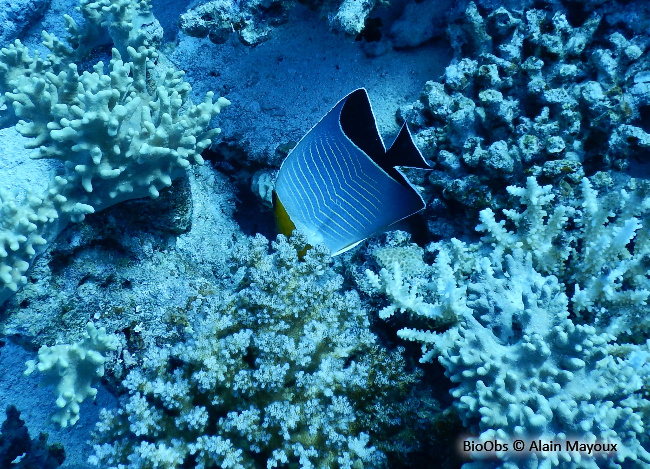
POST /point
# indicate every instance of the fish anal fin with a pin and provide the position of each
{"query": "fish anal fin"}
(348, 247)
(284, 225)
(283, 222)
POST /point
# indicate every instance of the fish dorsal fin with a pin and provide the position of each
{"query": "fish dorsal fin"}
(358, 124)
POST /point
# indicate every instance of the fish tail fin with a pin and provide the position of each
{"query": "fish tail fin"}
(404, 151)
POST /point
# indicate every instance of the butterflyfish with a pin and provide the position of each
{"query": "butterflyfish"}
(339, 184)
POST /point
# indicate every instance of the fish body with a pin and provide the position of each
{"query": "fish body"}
(339, 185)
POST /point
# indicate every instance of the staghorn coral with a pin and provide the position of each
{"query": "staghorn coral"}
(534, 373)
(603, 262)
(596, 245)
(120, 24)
(282, 368)
(25, 229)
(524, 367)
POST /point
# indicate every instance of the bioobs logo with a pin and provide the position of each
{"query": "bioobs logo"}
(472, 448)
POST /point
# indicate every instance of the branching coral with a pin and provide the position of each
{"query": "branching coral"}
(73, 369)
(524, 368)
(603, 262)
(277, 372)
(118, 135)
(25, 229)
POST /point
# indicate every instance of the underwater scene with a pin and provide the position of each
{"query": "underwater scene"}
(345, 234)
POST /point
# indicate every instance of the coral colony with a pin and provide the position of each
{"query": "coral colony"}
(505, 325)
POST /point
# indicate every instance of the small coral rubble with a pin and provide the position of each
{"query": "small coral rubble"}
(252, 20)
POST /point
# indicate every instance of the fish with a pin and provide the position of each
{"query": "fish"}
(339, 185)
